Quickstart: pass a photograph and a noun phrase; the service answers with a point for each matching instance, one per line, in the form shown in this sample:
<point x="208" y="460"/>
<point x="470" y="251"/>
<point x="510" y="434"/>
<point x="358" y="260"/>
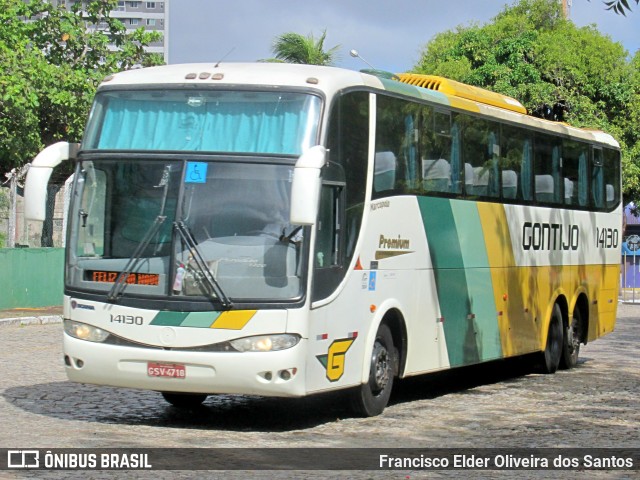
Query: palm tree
<point x="619" y="6"/>
<point x="294" y="48"/>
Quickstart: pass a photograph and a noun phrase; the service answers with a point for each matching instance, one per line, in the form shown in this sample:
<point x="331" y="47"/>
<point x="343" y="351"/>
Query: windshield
<point x="272" y="122"/>
<point x="175" y="228"/>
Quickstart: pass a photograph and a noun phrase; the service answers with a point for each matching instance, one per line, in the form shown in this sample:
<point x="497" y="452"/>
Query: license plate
<point x="169" y="370"/>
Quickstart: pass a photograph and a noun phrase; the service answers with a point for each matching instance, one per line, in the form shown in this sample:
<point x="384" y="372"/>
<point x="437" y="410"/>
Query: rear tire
<point x="571" y="341"/>
<point x="184" y="400"/>
<point x="553" y="351"/>
<point x="370" y="398"/>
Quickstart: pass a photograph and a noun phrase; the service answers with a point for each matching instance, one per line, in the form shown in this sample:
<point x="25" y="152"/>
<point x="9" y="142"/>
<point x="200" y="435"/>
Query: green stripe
<point x="200" y="319"/>
<point x="185" y="319"/>
<point x="479" y="280"/>
<point x="172" y="319"/>
<point x="463" y="279"/>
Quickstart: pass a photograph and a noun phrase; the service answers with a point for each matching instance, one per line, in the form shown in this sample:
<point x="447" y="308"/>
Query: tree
<point x="620" y="7"/>
<point x="294" y="48"/>
<point x="530" y="52"/>
<point x="50" y="65"/>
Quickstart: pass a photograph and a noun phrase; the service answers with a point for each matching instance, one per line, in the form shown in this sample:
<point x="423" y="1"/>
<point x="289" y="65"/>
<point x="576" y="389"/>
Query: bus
<point x="286" y="230"/>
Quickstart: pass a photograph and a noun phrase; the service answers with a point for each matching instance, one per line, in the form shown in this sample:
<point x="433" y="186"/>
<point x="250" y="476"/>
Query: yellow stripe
<point x="518" y="329"/>
<point x="524" y="296"/>
<point x="233" y="320"/>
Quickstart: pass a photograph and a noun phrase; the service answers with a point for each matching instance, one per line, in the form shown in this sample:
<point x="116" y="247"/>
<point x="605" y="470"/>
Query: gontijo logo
<point x="334" y="360"/>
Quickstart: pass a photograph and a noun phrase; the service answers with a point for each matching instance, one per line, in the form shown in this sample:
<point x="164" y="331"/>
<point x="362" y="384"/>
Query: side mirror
<point x="305" y="190"/>
<point x="35" y="186"/>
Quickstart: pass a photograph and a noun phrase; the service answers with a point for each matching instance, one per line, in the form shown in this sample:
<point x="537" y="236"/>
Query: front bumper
<point x="279" y="373"/>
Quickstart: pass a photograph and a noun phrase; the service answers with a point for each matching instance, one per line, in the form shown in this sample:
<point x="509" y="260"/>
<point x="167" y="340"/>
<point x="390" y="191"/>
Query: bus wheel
<point x="184" y="400"/>
<point x="571" y="342"/>
<point x="370" y="398"/>
<point x="553" y="351"/>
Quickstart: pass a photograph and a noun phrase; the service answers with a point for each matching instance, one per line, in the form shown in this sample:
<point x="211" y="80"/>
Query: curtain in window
<point x="557" y="176"/>
<point x="410" y="152"/>
<point x="493" y="189"/>
<point x="455" y="158"/>
<point x="260" y="127"/>
<point x="525" y="171"/>
<point x="597" y="186"/>
<point x="583" y="183"/>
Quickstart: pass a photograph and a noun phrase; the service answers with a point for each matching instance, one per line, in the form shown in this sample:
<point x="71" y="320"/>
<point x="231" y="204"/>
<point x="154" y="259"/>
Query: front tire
<point x="184" y="400"/>
<point x="553" y="351"/>
<point x="370" y="398"/>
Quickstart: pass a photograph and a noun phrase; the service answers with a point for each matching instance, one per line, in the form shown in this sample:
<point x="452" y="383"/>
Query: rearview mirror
<point x="305" y="189"/>
<point x="35" y="187"/>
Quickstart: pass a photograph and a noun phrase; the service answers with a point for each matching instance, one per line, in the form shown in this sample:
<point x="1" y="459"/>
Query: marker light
<point x="84" y="331"/>
<point x="265" y="343"/>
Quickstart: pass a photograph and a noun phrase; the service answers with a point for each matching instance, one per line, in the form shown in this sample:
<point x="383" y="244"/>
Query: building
<point x="150" y="15"/>
<point x="135" y="14"/>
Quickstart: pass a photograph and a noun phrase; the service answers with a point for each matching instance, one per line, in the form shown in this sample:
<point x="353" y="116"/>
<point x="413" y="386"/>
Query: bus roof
<point x="331" y="80"/>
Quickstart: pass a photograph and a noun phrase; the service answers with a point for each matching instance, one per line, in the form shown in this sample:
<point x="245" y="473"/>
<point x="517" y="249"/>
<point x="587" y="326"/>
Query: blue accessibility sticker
<point x="372" y="281"/>
<point x="196" y="172"/>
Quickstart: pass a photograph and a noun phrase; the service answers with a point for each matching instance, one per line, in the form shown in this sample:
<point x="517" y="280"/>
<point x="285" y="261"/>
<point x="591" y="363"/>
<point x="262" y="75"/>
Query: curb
<point x="22" y="321"/>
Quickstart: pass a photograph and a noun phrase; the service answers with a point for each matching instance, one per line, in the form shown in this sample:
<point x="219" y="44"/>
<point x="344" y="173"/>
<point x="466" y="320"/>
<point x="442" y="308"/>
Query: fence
<point x="49" y="233"/>
<point x="31" y="277"/>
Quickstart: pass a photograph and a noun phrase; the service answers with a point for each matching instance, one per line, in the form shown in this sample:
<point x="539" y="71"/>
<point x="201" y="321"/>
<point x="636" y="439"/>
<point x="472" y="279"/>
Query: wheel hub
<point x="381" y="369"/>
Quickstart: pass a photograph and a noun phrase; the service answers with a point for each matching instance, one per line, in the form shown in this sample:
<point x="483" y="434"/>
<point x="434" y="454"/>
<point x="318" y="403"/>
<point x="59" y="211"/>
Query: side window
<point x="597" y="179"/>
<point x="516" y="164"/>
<point x="440" y="165"/>
<point x="348" y="144"/>
<point x="395" y="162"/>
<point x="343" y="192"/>
<point x="329" y="236"/>
<point x="611" y="178"/>
<point x="574" y="172"/>
<point x="548" y="180"/>
<point x="481" y="151"/>
<point x="93" y="187"/>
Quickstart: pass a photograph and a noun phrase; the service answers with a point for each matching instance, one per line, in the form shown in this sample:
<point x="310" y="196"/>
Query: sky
<point x="388" y="34"/>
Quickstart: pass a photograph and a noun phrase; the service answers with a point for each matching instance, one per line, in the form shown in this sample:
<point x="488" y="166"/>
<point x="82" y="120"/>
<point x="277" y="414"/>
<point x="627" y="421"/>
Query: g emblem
<point x="334" y="360"/>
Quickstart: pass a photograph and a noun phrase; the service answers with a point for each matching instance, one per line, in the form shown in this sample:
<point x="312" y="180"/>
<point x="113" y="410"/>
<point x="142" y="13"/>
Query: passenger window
<point x="548" y="180"/>
<point x="515" y="164"/>
<point x="395" y="162"/>
<point x="574" y="172"/>
<point x="611" y="179"/>
<point x="440" y="153"/>
<point x="481" y="153"/>
<point x="597" y="179"/>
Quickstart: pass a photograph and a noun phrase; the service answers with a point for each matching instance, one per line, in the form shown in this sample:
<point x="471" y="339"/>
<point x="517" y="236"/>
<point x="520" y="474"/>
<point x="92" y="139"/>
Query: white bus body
<point x="425" y="229"/>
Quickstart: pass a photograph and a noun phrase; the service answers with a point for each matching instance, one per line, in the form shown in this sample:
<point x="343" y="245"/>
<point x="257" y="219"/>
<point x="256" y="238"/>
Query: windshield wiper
<point x="204" y="270"/>
<point x="120" y="284"/>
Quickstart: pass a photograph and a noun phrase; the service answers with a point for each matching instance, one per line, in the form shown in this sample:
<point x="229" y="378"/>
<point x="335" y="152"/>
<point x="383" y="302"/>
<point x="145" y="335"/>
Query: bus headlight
<point x="84" y="331"/>
<point x="265" y="343"/>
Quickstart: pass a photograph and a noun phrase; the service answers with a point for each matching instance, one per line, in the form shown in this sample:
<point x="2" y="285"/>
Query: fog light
<point x="285" y="375"/>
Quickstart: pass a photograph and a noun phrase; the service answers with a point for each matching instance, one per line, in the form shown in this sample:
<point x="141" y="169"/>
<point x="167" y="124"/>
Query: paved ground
<point x="29" y="316"/>
<point x="501" y="404"/>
